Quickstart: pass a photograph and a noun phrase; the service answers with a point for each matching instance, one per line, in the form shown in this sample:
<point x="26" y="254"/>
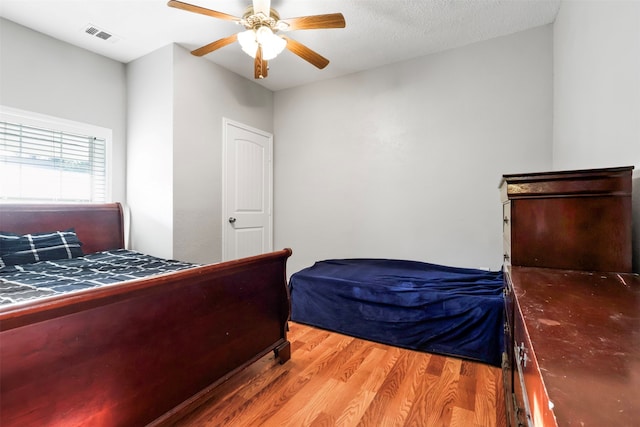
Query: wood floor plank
<point x="350" y="366"/>
<point x="336" y="380"/>
<point x="489" y="406"/>
<point x="355" y="393"/>
<point x="355" y="408"/>
<point x="378" y="376"/>
<point x="466" y="395"/>
<point x="399" y="409"/>
<point x="388" y="391"/>
<point x="314" y="399"/>
<point x="461" y="417"/>
<point x="434" y="403"/>
<point x="323" y="420"/>
<point x="326" y="358"/>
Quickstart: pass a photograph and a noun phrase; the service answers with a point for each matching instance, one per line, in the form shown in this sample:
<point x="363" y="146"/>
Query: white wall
<point x="597" y="90"/>
<point x="204" y="93"/>
<point x="404" y="161"/>
<point x="46" y="76"/>
<point x="176" y="106"/>
<point x="150" y="152"/>
<point x="597" y="84"/>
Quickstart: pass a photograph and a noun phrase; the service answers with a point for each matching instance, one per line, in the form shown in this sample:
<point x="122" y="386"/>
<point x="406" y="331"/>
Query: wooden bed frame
<point x="144" y="352"/>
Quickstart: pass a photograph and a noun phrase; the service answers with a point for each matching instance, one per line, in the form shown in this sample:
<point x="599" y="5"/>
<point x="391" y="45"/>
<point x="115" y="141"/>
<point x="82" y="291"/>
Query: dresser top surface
<point x="585" y="331"/>
<point x="572" y="183"/>
<point x="565" y="174"/>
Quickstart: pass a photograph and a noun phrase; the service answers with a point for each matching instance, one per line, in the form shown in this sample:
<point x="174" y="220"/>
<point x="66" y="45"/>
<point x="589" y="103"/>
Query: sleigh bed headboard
<point x="99" y="227"/>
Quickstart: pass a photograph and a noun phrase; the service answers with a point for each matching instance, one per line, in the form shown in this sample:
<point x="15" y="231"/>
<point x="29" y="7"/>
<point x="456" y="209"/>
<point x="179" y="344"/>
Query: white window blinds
<point x="39" y="164"/>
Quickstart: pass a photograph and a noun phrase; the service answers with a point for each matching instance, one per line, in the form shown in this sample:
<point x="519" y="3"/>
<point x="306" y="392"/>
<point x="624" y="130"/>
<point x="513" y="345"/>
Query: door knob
<point x="232" y="220"/>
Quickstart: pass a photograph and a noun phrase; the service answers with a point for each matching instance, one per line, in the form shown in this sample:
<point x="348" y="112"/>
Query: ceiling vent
<point x="94" y="31"/>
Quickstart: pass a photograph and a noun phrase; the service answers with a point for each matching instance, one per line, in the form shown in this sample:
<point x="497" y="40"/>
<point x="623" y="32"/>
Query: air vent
<point x="92" y="30"/>
<point x="103" y="35"/>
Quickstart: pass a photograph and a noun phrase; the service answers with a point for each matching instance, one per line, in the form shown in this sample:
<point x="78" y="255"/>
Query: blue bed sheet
<point x="416" y="305"/>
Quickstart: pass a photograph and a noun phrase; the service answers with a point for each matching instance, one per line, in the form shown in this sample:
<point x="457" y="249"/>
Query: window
<point x="45" y="159"/>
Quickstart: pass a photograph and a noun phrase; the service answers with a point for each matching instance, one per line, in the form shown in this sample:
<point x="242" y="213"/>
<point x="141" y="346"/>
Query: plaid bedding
<point x="17" y="249"/>
<point x="47" y="278"/>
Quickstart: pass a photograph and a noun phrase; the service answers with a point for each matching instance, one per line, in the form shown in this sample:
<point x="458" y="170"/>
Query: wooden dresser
<point x="575" y="220"/>
<point x="572" y="307"/>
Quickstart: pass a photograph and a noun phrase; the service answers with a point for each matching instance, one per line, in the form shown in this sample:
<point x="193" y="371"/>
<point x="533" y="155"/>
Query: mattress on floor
<point x="421" y="306"/>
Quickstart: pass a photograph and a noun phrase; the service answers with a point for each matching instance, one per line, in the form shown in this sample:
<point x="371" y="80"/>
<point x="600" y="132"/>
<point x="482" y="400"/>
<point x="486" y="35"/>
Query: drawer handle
<point x="523" y="357"/>
<point x="507" y="329"/>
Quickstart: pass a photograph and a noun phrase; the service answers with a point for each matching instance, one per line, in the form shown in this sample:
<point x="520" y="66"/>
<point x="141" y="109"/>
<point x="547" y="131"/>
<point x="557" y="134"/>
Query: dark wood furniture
<point x="575" y="220"/>
<point x="572" y="329"/>
<point x="139" y="353"/>
<point x="576" y="340"/>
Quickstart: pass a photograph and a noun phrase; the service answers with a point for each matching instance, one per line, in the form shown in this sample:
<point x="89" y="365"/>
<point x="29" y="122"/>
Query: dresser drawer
<point x="506" y="233"/>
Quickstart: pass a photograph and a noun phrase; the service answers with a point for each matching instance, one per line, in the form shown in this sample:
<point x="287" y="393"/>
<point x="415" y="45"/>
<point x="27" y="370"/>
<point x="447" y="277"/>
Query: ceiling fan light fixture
<point x="260" y="41"/>
<point x="248" y="43"/>
<point x="272" y="45"/>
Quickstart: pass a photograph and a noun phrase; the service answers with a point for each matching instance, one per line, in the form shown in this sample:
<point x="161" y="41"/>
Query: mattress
<point x="25" y="282"/>
<point x="410" y="304"/>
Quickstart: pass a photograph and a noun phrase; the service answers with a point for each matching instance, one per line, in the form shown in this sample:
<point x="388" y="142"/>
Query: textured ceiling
<point x="378" y="32"/>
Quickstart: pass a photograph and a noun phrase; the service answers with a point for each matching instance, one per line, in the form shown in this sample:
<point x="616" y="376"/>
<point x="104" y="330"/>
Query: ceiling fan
<point x="259" y="40"/>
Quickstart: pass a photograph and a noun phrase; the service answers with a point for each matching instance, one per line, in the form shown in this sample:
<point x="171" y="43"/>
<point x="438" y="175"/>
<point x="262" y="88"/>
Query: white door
<point x="247" y="181"/>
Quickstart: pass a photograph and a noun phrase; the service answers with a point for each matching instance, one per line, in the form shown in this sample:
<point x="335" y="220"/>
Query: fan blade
<point x="201" y="10"/>
<point x="263" y="6"/>
<point x="307" y="54"/>
<point x="332" y="20"/>
<point x="260" y="68"/>
<point x="215" y="45"/>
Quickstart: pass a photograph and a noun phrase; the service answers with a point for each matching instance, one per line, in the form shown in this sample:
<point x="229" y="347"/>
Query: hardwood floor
<point x="337" y="380"/>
